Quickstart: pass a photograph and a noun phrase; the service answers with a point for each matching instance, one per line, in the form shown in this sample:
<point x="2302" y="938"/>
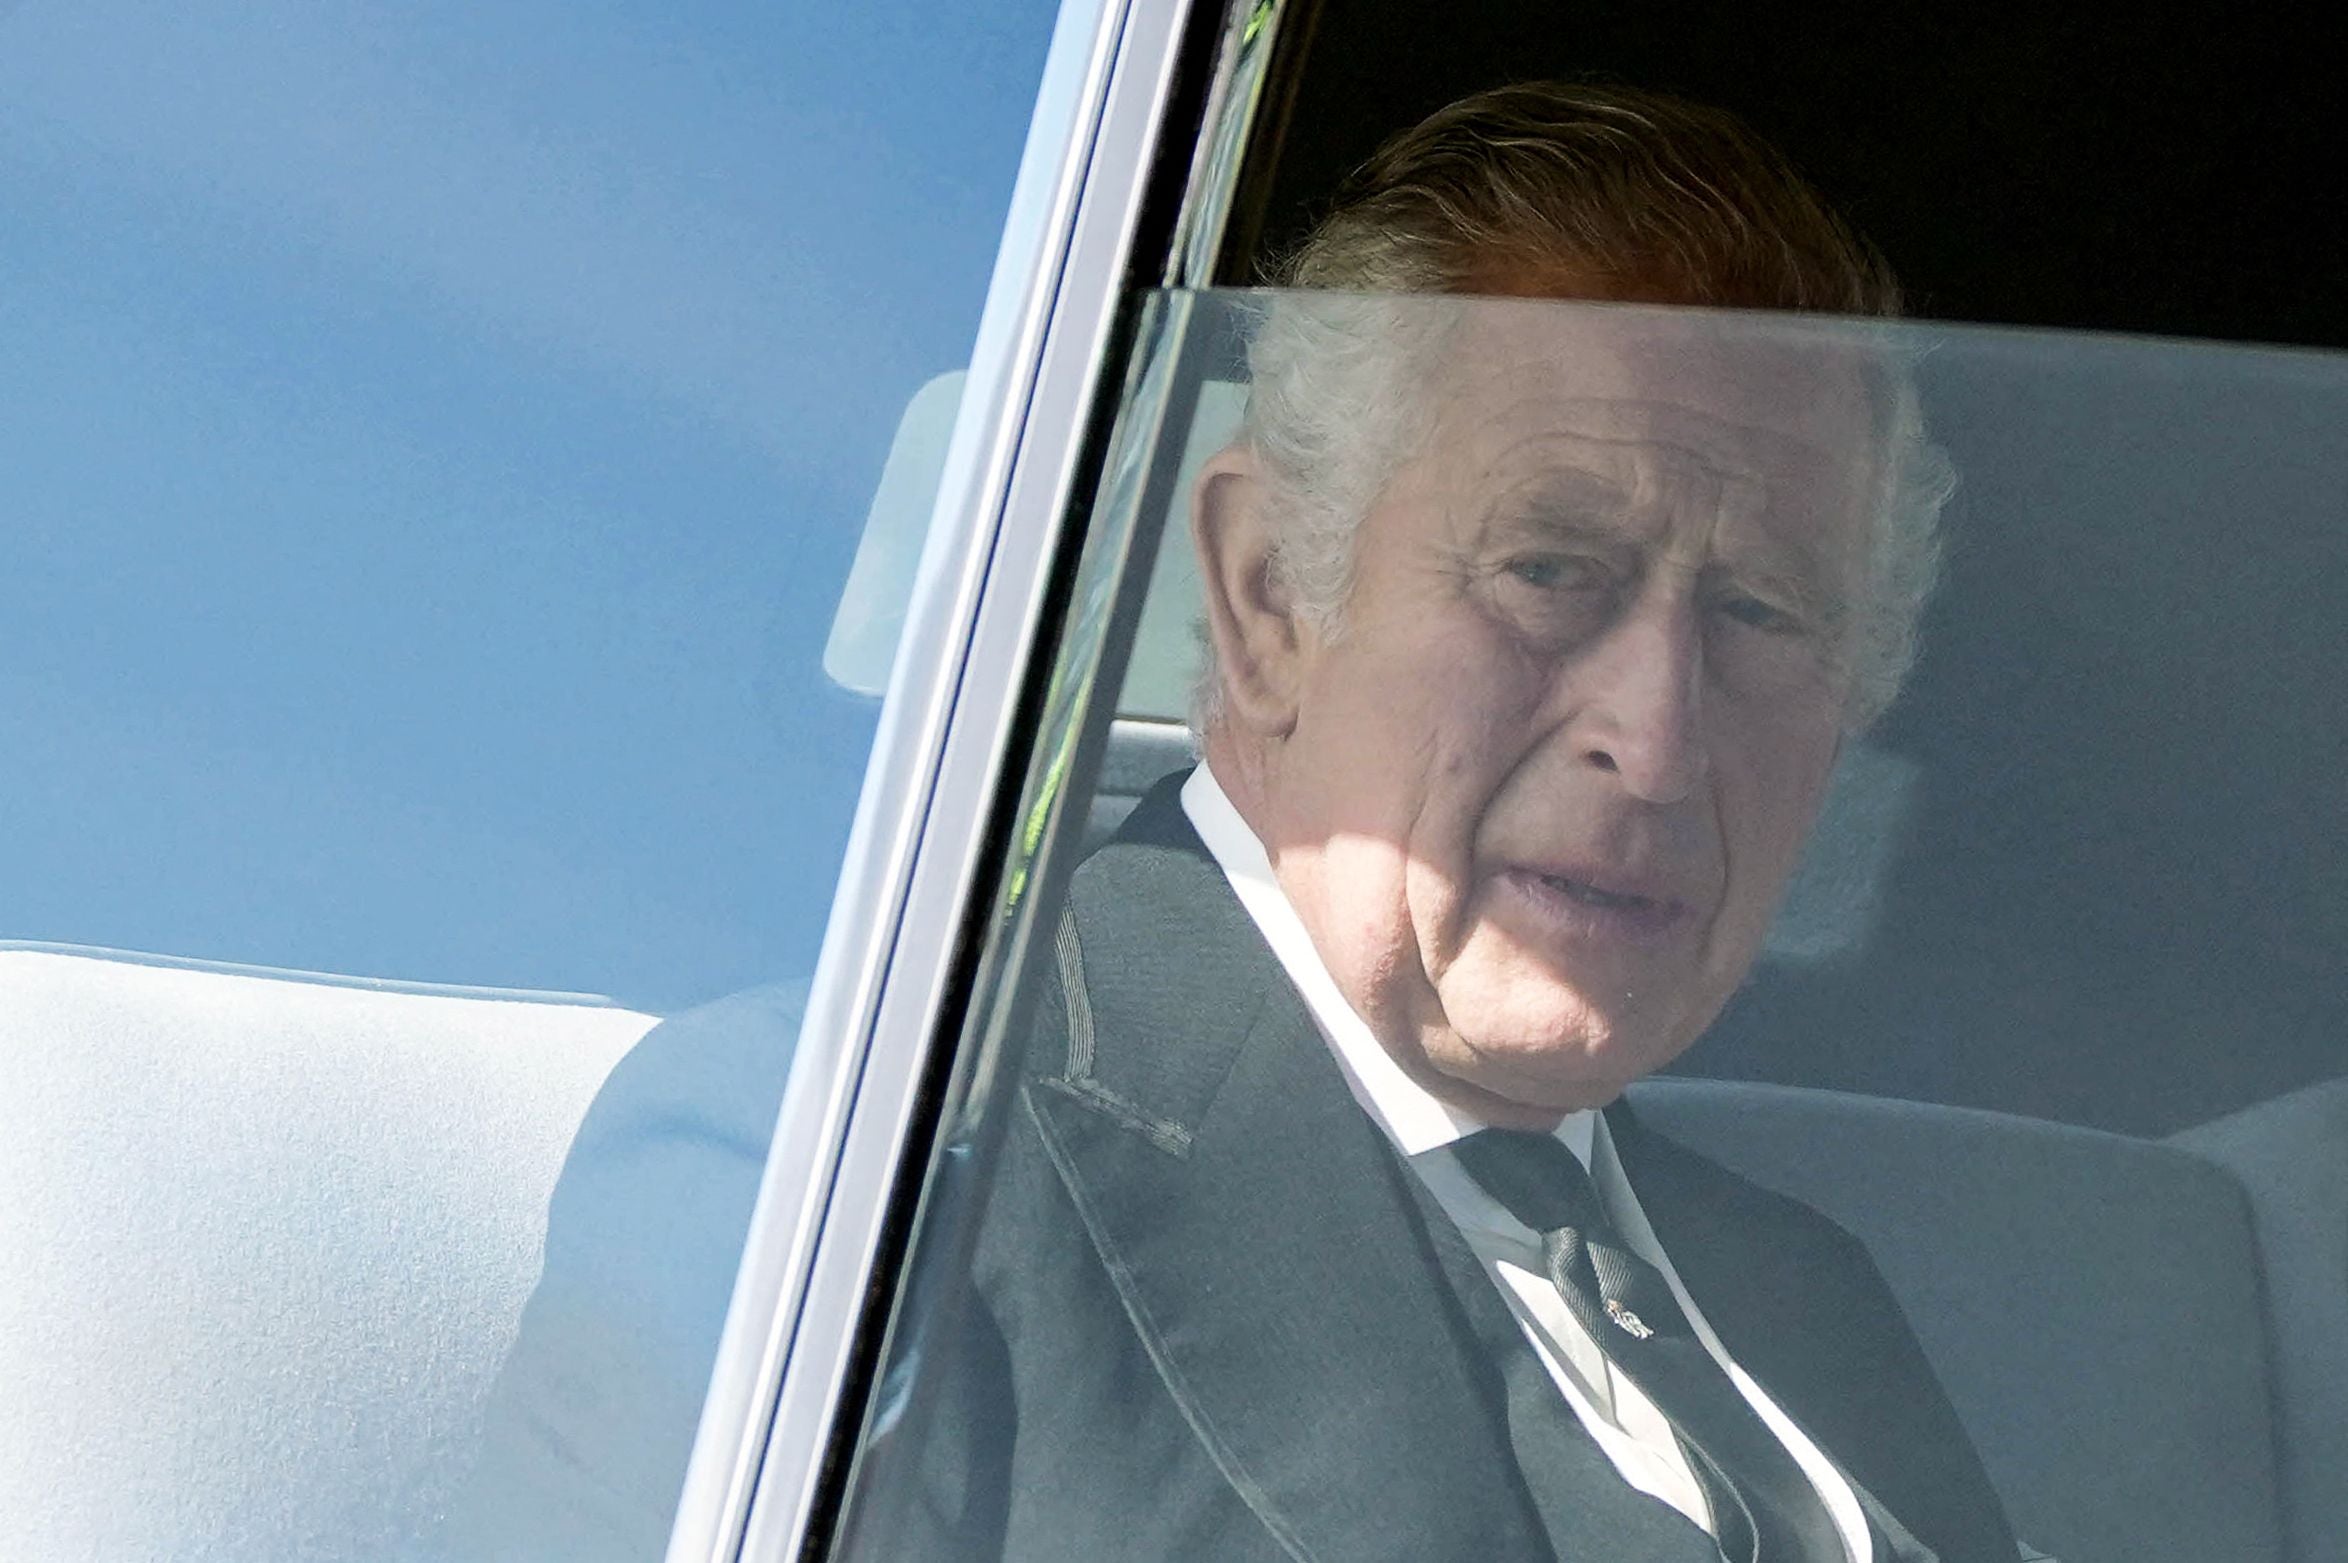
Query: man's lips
<point x="1586" y="904"/>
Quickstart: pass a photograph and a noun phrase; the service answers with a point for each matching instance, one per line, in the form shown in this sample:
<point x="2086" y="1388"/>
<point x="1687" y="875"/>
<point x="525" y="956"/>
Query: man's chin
<point x="1569" y="1058"/>
<point x="1501" y="1086"/>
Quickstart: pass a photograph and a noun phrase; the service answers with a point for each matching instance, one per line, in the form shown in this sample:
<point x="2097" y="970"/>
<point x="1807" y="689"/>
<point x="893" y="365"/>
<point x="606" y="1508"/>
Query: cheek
<point x="1485" y="738"/>
<point x="1417" y="726"/>
<point x="1414" y="728"/>
<point x="1369" y="929"/>
<point x="1767" y="817"/>
<point x="1400" y="882"/>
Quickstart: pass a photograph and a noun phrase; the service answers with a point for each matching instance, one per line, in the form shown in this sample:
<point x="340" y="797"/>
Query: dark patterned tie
<point x="1764" y="1508"/>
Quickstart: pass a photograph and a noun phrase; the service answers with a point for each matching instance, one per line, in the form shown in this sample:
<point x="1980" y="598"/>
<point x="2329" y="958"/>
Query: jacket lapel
<point x="1284" y="1290"/>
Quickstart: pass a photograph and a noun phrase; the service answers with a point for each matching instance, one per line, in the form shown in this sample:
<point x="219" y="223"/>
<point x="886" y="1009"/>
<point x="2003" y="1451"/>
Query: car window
<point x="1981" y="688"/>
<point x="436" y="448"/>
<point x="437" y="442"/>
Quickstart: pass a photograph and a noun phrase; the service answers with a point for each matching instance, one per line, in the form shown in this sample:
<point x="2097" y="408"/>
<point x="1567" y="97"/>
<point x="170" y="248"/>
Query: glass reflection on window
<point x="1739" y="755"/>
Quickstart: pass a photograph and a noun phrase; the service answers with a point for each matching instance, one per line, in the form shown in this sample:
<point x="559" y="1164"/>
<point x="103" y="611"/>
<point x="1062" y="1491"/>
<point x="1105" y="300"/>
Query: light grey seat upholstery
<point x="266" y="1240"/>
<point x="2092" y="1302"/>
<point x="2292" y="1154"/>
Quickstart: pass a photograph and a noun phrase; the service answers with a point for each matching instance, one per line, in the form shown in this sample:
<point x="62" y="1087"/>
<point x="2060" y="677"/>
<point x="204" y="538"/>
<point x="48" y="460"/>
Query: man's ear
<point x="1258" y="634"/>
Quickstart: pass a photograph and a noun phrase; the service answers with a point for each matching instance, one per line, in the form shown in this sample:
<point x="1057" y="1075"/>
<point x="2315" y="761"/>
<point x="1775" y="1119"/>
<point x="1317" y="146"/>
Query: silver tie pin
<point x="1632" y="1325"/>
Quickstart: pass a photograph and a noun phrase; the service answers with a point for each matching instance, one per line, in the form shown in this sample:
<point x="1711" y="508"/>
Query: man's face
<point x="1545" y="782"/>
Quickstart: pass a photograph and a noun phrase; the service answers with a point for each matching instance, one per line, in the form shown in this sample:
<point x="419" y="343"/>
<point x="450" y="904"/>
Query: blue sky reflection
<point x="434" y="443"/>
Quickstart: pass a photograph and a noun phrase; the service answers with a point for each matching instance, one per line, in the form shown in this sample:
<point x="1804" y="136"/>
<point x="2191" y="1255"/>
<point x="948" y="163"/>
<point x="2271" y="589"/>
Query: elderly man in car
<point x="1539" y="605"/>
<point x="1320" y="1230"/>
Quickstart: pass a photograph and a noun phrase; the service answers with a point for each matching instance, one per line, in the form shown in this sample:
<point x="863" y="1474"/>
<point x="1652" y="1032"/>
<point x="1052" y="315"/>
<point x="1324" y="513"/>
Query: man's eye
<point x="1554" y="572"/>
<point x="1754" y="613"/>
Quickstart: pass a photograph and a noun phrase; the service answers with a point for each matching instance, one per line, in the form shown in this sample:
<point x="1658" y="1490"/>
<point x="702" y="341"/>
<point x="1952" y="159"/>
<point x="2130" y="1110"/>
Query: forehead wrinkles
<point x="1642" y="481"/>
<point x="1692" y="500"/>
<point x="1784" y="398"/>
<point x="1733" y="446"/>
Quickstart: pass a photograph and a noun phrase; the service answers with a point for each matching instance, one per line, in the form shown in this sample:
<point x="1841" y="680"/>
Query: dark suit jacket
<point x="1215" y="1316"/>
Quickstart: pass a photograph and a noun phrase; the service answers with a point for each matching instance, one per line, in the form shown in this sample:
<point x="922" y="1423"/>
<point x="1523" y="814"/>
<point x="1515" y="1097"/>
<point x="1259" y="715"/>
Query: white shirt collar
<point x="1413" y="1118"/>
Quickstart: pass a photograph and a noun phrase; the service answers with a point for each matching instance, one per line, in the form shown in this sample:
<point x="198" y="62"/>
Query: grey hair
<point x="1593" y="192"/>
<point x="1903" y="555"/>
<point x="1332" y="412"/>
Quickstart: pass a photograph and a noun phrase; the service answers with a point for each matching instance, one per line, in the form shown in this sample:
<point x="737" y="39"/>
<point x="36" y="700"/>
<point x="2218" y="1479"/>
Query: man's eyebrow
<point x="1764" y="552"/>
<point x="1570" y="506"/>
<point x="1790" y="573"/>
<point x="1610" y="529"/>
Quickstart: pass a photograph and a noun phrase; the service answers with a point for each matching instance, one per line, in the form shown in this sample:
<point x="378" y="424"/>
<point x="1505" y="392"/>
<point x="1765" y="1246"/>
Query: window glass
<point x="437" y="439"/>
<point x="437" y="443"/>
<point x="1937" y="714"/>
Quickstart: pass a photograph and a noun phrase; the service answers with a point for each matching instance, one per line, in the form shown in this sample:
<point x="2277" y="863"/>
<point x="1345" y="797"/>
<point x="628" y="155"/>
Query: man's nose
<point x="1636" y="701"/>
